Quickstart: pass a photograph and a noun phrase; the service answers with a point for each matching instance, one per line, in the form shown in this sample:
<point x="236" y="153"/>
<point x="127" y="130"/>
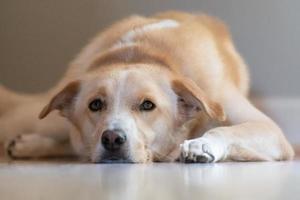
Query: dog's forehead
<point x="126" y="82"/>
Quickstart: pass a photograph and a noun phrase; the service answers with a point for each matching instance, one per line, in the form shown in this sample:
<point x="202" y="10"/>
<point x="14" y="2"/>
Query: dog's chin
<point x="115" y="160"/>
<point x="121" y="157"/>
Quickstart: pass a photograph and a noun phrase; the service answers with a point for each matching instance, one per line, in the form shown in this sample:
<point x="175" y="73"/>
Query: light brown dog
<point x="148" y="89"/>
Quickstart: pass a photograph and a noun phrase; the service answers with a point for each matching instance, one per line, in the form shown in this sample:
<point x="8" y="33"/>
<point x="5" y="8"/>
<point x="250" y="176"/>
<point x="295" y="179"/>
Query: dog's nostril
<point x="120" y="140"/>
<point x="113" y="139"/>
<point x="105" y="140"/>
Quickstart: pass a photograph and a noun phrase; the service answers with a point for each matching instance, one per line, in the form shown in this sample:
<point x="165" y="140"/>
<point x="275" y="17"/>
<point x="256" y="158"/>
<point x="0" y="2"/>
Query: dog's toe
<point x="9" y="148"/>
<point x="204" y="158"/>
<point x="15" y="147"/>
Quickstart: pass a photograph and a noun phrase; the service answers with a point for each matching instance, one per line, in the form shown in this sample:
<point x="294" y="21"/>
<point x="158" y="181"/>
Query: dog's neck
<point x="132" y="54"/>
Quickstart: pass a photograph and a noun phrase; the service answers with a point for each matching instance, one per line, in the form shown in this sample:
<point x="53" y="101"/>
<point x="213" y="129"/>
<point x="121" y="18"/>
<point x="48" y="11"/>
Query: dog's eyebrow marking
<point x="100" y="92"/>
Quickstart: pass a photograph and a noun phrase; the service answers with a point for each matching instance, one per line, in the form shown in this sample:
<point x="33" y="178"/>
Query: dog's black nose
<point x="113" y="140"/>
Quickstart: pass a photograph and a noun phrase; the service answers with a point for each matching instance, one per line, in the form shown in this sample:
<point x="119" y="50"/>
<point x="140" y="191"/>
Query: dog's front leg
<point x="251" y="137"/>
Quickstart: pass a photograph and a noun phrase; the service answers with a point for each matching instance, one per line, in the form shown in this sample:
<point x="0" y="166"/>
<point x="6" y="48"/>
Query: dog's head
<point x="131" y="113"/>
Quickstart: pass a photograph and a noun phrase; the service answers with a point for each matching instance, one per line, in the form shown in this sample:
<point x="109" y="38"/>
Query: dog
<point x="147" y="89"/>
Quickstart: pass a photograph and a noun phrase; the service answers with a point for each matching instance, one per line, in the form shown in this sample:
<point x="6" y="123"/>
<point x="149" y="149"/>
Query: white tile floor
<point x="31" y="181"/>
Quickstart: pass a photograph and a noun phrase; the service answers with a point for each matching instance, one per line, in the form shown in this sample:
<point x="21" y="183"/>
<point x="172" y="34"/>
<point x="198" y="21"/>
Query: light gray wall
<point x="38" y="38"/>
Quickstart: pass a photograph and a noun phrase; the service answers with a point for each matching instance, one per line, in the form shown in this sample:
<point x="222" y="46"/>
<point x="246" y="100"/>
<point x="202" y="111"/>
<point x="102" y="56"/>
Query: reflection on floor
<point x="60" y="180"/>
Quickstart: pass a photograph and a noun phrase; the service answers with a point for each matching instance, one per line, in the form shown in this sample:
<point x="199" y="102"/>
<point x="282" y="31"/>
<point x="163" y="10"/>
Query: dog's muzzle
<point x="116" y="145"/>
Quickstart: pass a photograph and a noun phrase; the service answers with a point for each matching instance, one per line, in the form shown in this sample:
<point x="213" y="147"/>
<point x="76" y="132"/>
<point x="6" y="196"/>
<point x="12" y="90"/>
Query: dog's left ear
<point x="192" y="99"/>
<point x="62" y="101"/>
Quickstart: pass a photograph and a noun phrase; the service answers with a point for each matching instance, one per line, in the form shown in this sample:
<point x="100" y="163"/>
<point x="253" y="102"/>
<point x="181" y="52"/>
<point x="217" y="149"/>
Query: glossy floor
<point x="38" y="180"/>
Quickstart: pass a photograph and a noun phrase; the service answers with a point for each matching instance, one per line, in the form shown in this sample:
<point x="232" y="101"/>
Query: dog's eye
<point x="147" y="106"/>
<point x="96" y="105"/>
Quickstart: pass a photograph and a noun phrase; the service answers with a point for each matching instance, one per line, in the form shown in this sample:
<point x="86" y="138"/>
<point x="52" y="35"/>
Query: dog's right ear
<point x="193" y="99"/>
<point x="62" y="101"/>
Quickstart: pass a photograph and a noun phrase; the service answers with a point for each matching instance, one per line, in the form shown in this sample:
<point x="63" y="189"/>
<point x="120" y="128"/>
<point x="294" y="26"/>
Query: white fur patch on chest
<point x="128" y="38"/>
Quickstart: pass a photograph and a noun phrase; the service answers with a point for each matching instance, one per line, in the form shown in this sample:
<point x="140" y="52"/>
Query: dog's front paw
<point x="11" y="145"/>
<point x="17" y="147"/>
<point x="197" y="150"/>
<point x="26" y="146"/>
<point x="205" y="149"/>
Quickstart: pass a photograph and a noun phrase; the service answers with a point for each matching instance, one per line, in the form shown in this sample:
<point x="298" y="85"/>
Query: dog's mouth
<point x="114" y="158"/>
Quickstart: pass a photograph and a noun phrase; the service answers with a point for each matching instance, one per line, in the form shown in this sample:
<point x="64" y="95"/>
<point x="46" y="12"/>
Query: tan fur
<point x="185" y="64"/>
